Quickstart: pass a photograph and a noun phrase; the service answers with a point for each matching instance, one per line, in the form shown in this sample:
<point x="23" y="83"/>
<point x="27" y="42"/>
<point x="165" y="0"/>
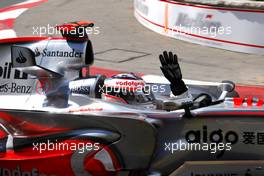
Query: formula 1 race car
<point x="56" y="121"/>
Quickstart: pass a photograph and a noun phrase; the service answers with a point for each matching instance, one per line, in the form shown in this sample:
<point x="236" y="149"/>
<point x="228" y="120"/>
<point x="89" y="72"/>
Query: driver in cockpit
<point x="129" y="88"/>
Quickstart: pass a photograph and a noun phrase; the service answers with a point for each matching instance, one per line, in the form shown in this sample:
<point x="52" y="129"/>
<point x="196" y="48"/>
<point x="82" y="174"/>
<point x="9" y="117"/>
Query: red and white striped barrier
<point x="226" y="28"/>
<point x="9" y="14"/>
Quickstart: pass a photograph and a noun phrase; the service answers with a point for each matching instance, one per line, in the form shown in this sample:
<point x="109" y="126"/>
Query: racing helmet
<point x="127" y="88"/>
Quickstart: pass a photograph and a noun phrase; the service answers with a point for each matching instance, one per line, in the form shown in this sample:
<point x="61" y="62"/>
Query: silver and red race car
<point x="54" y="120"/>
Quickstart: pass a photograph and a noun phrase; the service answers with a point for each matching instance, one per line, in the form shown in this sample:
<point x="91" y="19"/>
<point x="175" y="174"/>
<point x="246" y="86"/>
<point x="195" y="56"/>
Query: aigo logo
<point x="247" y="102"/>
<point x="208" y="136"/>
<point x="215" y="136"/>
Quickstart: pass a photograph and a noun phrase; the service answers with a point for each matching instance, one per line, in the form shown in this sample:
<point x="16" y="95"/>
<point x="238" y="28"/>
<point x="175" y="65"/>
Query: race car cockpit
<point x="128" y="88"/>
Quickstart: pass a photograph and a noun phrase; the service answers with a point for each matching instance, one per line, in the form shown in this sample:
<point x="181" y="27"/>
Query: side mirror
<point x="228" y="86"/>
<point x="89" y="57"/>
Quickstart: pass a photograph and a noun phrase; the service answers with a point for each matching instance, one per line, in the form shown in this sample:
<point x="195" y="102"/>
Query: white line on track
<point x="8" y="33"/>
<point x="11" y="14"/>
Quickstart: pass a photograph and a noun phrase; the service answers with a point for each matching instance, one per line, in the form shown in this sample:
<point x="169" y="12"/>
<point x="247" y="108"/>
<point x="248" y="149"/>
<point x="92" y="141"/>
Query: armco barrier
<point x="221" y="27"/>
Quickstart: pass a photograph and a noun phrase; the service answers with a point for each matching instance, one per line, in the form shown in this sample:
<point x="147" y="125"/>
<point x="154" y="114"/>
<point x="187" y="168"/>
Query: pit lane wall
<point x="232" y="29"/>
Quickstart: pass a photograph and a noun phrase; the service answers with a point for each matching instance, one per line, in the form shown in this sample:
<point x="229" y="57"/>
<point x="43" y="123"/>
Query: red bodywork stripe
<point x="28" y="39"/>
<point x="35" y="39"/>
<point x="28" y="128"/>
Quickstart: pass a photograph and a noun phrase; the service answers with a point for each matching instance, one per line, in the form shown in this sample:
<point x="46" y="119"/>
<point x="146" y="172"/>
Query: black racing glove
<point x="172" y="71"/>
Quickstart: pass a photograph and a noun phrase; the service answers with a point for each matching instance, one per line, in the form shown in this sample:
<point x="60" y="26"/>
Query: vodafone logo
<point x="130" y="83"/>
<point x="247" y="102"/>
